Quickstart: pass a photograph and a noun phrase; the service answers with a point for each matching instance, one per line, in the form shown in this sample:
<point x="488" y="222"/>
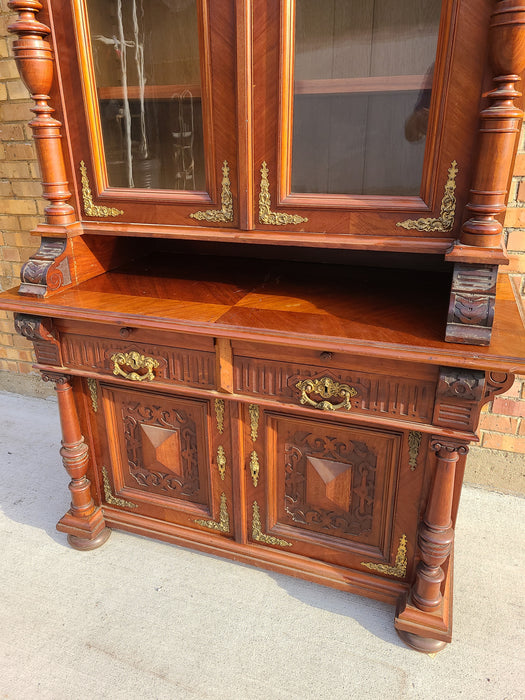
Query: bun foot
<point x="84" y="544"/>
<point x="426" y="645"/>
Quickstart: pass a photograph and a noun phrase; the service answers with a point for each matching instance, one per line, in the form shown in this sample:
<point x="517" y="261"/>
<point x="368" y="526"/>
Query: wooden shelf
<point x="333" y="86"/>
<point x="151" y="92"/>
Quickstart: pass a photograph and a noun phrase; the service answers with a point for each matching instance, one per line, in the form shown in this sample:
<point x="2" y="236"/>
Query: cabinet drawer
<point x="143" y="357"/>
<point x="340" y="383"/>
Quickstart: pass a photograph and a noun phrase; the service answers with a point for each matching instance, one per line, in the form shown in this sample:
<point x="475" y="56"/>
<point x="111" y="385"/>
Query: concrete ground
<point x="140" y="619"/>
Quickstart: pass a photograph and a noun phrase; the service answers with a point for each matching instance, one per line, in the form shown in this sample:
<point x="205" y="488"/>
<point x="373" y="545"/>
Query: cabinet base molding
<point x="349" y="580"/>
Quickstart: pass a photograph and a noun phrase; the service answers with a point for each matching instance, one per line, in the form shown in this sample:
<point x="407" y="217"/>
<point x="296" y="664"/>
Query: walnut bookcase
<point x="267" y="290"/>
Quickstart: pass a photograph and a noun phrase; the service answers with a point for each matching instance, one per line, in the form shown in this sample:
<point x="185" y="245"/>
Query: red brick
<point x="504" y="442"/>
<point x="498" y="424"/>
<point x="521" y="191"/>
<point x="521" y="429"/>
<point x="516" y="240"/>
<point x="517" y="263"/>
<point x="508" y="407"/>
<point x="519" y="165"/>
<point x="515" y="217"/>
<point x="514" y="392"/>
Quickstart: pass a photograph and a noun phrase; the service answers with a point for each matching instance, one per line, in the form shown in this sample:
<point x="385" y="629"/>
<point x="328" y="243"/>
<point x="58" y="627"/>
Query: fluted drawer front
<point x="329" y="389"/>
<point x="140" y="362"/>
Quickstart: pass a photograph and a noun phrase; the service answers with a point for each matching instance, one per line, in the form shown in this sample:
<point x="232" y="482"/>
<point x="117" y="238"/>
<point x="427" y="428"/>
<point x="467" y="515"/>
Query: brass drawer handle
<point x="134" y="361"/>
<point x="326" y="388"/>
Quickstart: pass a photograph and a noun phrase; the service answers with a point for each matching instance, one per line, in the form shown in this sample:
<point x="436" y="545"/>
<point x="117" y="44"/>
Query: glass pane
<point x="146" y="59"/>
<point x="363" y="80"/>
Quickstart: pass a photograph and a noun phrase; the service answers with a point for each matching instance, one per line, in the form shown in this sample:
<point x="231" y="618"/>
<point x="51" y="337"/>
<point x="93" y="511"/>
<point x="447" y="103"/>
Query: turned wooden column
<point x="436" y="534"/>
<point x="34" y="59"/>
<point x="499" y="129"/>
<point x="84" y="522"/>
<point x="480" y="249"/>
<point x="423" y="617"/>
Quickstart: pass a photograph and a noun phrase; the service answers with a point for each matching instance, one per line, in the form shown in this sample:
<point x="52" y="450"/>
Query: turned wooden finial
<point x="34" y="59"/>
<point x="500" y="127"/>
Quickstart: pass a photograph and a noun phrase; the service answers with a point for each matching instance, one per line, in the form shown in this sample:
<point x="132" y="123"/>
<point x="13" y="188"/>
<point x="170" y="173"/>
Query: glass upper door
<point x="149" y="91"/>
<point x="363" y="73"/>
<point x="153" y="109"/>
<point x="373" y="121"/>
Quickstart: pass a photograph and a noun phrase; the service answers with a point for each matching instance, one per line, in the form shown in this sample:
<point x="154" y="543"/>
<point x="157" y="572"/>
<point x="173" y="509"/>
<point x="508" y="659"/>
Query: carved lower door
<point x="166" y="456"/>
<point x="330" y="490"/>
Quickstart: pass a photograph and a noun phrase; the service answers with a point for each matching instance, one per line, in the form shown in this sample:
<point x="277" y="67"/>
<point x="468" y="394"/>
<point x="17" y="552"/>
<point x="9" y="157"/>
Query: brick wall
<point x="502" y="423"/>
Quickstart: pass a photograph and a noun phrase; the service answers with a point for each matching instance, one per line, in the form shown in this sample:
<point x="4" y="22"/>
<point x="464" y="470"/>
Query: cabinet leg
<point x="84" y="522"/>
<point x="424" y="616"/>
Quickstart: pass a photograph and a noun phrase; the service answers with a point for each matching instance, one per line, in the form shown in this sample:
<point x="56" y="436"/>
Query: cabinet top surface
<point x="384" y="313"/>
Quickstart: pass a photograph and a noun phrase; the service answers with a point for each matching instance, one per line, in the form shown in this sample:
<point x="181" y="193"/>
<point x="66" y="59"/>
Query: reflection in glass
<point x="362" y="86"/>
<point x="147" y="73"/>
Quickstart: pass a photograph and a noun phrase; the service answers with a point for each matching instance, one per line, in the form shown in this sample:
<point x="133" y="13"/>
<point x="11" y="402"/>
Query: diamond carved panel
<point x="329" y="484"/>
<point x="161" y="449"/>
<point x="162" y="443"/>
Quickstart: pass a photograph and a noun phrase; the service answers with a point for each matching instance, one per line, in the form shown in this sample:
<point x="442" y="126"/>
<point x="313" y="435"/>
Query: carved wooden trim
<point x="499" y="128"/>
<point x="459" y="398"/>
<point x="472" y="302"/>
<point x="46" y="270"/>
<point x="34" y="59"/>
<point x="40" y="332"/>
<point x="497" y="383"/>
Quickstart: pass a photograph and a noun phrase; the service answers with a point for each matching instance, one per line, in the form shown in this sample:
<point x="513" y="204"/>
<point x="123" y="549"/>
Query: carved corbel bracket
<point x="47" y="270"/>
<point x="461" y="394"/>
<point x="40" y="332"/>
<point x="34" y="59"/>
<point x="472" y="302"/>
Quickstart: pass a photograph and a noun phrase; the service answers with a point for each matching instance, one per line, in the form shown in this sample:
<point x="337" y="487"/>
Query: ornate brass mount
<point x="225" y="213"/>
<point x="400" y="566"/>
<point x="91" y="209"/>
<point x="219" y="414"/>
<point x="445" y="221"/>
<point x="266" y="215"/>
<point x="414" y="443"/>
<point x="135" y="361"/>
<point x="93" y="391"/>
<point x="224" y="519"/>
<point x="255" y="467"/>
<point x="110" y="498"/>
<point x="221" y="461"/>
<point x="327" y="388"/>
<point x="259" y="535"/>
<point x="254" y="421"/>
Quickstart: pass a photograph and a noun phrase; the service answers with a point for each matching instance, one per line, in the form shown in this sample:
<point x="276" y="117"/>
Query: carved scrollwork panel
<point x="329" y="483"/>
